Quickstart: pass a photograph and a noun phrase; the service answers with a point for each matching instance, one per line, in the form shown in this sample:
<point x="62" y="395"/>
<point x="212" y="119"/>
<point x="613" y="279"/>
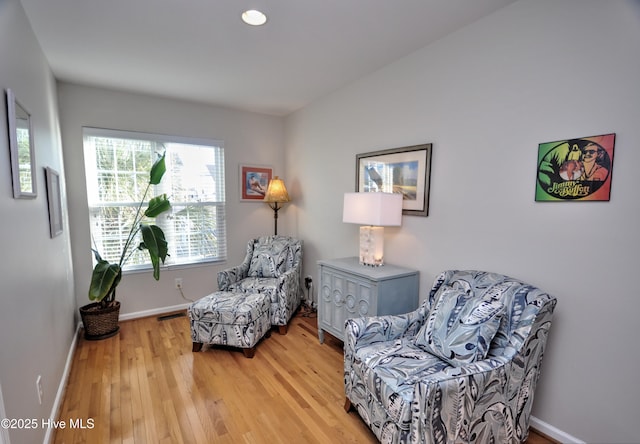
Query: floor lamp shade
<point x="374" y="211"/>
<point x="276" y="191"/>
<point x="275" y="197"/>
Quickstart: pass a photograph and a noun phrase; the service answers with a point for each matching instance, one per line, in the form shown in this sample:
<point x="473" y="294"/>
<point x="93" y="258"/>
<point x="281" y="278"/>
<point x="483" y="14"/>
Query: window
<point x="117" y="165"/>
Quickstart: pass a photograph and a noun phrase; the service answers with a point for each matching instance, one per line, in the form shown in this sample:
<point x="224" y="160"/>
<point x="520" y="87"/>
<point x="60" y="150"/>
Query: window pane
<point x="197" y="233"/>
<point x="117" y="165"/>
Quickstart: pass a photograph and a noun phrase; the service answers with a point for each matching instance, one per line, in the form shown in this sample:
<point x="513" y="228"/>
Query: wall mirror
<point x="23" y="161"/>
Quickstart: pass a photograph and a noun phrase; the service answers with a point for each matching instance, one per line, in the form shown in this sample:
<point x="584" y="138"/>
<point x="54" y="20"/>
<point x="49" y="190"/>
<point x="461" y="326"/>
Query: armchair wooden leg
<point x="282" y="329"/>
<point x="347" y="405"/>
<point x="249" y="352"/>
<point x="197" y="346"/>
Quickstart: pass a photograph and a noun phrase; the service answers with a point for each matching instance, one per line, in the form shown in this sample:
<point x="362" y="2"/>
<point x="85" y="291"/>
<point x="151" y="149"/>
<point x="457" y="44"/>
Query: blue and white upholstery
<point x="272" y="266"/>
<point x="236" y="320"/>
<point x="461" y="368"/>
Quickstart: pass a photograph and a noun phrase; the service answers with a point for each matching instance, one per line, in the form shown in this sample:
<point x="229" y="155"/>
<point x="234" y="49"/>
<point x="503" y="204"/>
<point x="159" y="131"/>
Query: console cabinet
<point x="348" y="290"/>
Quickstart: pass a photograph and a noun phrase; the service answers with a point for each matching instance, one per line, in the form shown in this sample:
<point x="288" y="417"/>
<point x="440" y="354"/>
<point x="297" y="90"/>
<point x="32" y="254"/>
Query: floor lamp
<point x="276" y="194"/>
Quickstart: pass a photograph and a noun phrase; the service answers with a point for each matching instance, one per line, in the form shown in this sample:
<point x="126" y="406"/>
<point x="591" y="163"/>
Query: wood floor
<point x="145" y="385"/>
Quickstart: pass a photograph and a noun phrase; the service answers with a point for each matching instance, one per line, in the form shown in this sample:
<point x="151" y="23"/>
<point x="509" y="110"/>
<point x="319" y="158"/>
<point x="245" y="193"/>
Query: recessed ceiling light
<point x="254" y="17"/>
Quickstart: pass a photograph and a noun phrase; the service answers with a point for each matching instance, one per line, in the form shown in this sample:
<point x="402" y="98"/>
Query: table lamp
<point x="373" y="211"/>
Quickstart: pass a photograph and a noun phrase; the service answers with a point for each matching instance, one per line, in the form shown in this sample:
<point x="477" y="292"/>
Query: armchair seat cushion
<point x="390" y="370"/>
<point x="266" y="286"/>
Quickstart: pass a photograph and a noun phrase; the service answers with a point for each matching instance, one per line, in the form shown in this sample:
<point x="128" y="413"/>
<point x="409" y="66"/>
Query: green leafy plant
<point x="106" y="276"/>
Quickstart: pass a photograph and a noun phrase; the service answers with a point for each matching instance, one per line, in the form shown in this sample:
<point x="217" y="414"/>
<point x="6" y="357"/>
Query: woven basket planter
<point x="100" y="322"/>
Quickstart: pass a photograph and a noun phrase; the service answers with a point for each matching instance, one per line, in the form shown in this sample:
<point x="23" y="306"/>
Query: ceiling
<point x="200" y="50"/>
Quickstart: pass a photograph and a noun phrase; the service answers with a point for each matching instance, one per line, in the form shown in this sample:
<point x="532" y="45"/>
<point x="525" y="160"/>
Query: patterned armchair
<point x="272" y="266"/>
<point x="461" y="368"/>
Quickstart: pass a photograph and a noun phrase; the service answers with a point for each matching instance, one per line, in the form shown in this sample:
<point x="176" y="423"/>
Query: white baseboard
<point x="147" y="313"/>
<point x="153" y="312"/>
<point x="553" y="432"/>
<point x="57" y="402"/>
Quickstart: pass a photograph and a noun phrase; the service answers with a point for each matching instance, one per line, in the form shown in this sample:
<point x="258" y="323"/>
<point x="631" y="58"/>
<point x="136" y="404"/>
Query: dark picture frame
<point x="405" y="170"/>
<point x="21" y="146"/>
<point x="254" y="181"/>
<point x="54" y="201"/>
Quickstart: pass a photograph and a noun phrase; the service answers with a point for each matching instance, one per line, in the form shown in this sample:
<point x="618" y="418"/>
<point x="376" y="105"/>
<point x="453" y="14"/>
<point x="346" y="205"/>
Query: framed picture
<point x="54" y="201"/>
<point x="400" y="170"/>
<point x="23" y="157"/>
<point x="575" y="169"/>
<point x="254" y="181"/>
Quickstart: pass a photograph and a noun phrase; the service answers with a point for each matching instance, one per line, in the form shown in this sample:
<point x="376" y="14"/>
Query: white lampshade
<point x="376" y="209"/>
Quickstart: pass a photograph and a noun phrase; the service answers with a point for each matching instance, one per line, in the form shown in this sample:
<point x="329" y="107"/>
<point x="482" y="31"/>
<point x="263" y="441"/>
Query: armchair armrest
<point x="232" y="275"/>
<point x="291" y="278"/>
<point x="289" y="282"/>
<point x="368" y="330"/>
<point x="363" y="331"/>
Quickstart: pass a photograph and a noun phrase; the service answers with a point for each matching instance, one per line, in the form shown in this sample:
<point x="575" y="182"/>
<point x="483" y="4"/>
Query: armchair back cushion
<point x="271" y="257"/>
<point x="461" y="325"/>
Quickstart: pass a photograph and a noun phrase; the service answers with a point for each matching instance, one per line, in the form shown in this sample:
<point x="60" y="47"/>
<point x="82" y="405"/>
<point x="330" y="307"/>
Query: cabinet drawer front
<point x="352" y="296"/>
<point x="358" y="298"/>
<point x="348" y="290"/>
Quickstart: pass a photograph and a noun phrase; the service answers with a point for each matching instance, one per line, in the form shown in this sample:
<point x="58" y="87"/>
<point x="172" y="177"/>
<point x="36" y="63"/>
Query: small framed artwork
<point x="575" y="169"/>
<point x="254" y="181"/>
<point x="54" y="200"/>
<point x="405" y="170"/>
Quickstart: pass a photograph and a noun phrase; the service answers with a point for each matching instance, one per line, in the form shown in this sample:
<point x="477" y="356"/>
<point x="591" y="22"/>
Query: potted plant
<point x="100" y="317"/>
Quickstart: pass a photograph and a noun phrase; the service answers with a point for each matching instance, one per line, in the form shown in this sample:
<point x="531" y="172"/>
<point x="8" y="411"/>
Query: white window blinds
<point x="117" y="165"/>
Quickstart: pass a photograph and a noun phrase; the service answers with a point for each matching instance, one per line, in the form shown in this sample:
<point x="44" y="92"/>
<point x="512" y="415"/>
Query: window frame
<point x="159" y="189"/>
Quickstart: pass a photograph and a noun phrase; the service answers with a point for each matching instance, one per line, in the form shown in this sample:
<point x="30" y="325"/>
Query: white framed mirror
<point x="23" y="160"/>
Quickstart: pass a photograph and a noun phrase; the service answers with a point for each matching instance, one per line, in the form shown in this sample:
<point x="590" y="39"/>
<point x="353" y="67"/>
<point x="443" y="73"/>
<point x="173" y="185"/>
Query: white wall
<point x="36" y="300"/>
<point x="249" y="138"/>
<point x="486" y="96"/>
<point x="533" y="72"/>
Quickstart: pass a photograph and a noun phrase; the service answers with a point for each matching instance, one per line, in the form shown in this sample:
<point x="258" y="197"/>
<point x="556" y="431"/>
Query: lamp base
<point x="371" y="246"/>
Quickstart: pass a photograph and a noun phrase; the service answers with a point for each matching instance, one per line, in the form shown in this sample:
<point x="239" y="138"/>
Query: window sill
<point x="174" y="267"/>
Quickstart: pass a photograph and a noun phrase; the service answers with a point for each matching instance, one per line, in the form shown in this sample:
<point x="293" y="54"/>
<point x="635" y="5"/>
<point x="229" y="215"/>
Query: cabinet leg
<point x="321" y="336"/>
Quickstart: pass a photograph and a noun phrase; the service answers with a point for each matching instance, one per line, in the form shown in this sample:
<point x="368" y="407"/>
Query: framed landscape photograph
<point x="254" y="181"/>
<point x="403" y="170"/>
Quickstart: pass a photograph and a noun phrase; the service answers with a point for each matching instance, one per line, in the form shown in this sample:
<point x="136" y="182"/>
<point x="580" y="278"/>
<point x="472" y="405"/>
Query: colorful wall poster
<point x="575" y="169"/>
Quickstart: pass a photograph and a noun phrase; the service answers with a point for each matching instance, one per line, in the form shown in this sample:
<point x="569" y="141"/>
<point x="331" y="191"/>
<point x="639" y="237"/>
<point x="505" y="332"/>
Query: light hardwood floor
<point x="146" y="386"/>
